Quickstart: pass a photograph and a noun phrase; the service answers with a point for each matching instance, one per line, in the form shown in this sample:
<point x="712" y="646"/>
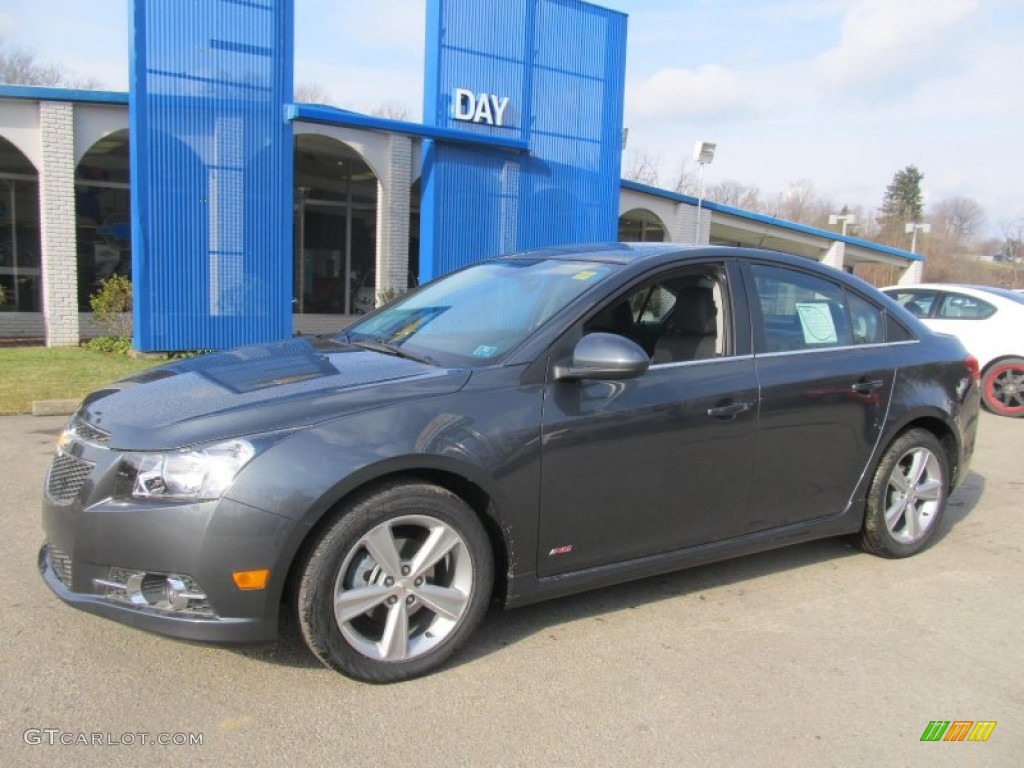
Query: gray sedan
<point x="525" y="428"/>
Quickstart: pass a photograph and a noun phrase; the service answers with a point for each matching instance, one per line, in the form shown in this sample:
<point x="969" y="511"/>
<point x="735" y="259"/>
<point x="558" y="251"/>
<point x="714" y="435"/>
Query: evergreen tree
<point x="902" y="202"/>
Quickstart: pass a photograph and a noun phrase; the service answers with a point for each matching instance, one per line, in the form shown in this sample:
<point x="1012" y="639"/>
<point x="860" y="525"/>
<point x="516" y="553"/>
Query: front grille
<point x="88" y="432"/>
<point x="61" y="565"/>
<point x="66" y="477"/>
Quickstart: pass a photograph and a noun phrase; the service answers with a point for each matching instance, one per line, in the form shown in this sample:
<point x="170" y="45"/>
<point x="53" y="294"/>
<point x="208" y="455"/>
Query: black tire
<point x="1002" y="387"/>
<point x="907" y="496"/>
<point x="439" y="599"/>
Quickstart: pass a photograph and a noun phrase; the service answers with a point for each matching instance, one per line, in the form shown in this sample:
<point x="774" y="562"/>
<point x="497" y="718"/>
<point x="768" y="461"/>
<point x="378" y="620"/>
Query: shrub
<point x="112" y="307"/>
<point x="118" y="345"/>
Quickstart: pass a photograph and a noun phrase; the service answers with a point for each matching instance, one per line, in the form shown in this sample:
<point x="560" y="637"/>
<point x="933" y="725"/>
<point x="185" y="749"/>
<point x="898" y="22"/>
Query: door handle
<point x="867" y="387"/>
<point x="729" y="411"/>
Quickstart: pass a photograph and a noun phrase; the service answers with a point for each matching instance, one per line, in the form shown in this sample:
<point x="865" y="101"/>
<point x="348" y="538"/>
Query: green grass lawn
<point x="38" y="373"/>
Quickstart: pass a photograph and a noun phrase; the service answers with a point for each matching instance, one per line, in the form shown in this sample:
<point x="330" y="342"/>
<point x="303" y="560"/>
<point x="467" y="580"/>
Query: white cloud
<point x="8" y="25"/>
<point x="893" y="44"/>
<point x="708" y="90"/>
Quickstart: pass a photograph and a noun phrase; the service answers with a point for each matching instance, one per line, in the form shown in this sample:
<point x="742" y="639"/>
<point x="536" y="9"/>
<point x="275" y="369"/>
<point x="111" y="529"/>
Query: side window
<point x="866" y="321"/>
<point x="918" y="303"/>
<point x="799" y="311"/>
<point x="677" y="317"/>
<point x="959" y="307"/>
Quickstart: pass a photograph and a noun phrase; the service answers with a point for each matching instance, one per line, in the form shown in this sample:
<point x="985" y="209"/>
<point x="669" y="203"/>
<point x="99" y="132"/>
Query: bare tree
<point x="1013" y="250"/>
<point x="312" y="93"/>
<point x="959" y="218"/>
<point x="640" y="167"/>
<point x="688" y="180"/>
<point x="392" y="110"/>
<point x="21" y="66"/>
<point x="736" y="194"/>
<point x="800" y="202"/>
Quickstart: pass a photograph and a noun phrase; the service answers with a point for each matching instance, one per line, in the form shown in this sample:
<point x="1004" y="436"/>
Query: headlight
<point x="203" y="473"/>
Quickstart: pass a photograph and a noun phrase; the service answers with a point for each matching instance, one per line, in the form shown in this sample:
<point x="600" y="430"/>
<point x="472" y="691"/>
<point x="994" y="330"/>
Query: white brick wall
<point x="912" y="274"/>
<point x="57" y="223"/>
<point x="836" y="255"/>
<point x="393" y="217"/>
<point x="684" y="225"/>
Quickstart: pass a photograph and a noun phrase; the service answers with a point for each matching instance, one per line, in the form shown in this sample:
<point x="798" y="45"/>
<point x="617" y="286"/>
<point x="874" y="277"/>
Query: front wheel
<point x="1002" y="387"/>
<point x="907" y="496"/>
<point x="396" y="583"/>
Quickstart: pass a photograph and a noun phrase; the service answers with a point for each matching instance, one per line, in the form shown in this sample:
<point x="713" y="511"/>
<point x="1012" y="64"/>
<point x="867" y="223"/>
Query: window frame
<point x="760" y="326"/>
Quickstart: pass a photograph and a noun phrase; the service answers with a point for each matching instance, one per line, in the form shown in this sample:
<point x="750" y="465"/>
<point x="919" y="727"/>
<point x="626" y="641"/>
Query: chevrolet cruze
<point x="527" y="427"/>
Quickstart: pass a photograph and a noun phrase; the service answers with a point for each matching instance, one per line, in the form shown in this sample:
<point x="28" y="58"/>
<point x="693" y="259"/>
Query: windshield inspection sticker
<point x="816" y="320"/>
<point x="584" y="275"/>
<point x="485" y="351"/>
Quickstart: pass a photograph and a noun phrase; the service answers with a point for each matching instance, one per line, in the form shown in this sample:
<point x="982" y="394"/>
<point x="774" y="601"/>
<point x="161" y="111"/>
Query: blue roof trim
<point x="42" y="93"/>
<point x="771" y="220"/>
<point x="334" y="116"/>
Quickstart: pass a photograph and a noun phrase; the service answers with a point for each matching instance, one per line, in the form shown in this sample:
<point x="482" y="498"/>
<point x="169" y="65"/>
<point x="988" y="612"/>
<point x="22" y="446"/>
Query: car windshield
<point x="477" y="315"/>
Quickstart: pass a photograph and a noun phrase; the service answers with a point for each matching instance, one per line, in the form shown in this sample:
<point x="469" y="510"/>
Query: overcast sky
<point x="842" y="93"/>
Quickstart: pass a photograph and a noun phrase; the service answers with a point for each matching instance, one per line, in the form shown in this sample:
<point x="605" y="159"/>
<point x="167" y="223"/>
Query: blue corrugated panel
<point x="211" y="165"/>
<point x="561" y="63"/>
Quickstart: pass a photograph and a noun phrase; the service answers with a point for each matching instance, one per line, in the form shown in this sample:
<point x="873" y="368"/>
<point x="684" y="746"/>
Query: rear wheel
<point x="907" y="496"/>
<point x="1002" y="387"/>
<point x="396" y="584"/>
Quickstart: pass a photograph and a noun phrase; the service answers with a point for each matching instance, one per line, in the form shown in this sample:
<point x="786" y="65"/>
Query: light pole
<point x="912" y="229"/>
<point x="703" y="153"/>
<point x="845" y="218"/>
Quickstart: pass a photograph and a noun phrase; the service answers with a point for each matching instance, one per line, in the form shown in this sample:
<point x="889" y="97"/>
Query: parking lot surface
<point x="812" y="655"/>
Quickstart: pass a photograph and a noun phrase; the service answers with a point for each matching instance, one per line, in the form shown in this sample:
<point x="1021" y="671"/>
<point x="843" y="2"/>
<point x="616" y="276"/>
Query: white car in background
<point x="990" y="324"/>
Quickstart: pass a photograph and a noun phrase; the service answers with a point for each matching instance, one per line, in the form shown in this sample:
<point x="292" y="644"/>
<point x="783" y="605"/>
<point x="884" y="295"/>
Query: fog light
<point x="164" y="592"/>
<point x="176" y="593"/>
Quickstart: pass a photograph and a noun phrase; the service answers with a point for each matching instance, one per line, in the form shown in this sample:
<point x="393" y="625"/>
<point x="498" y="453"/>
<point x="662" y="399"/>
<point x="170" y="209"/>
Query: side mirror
<point x="604" y="356"/>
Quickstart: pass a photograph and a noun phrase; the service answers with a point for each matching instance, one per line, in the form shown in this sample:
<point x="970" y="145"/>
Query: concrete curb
<point x="53" y="407"/>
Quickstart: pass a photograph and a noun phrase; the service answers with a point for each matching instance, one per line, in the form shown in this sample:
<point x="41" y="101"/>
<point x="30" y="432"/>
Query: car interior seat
<point x="690" y="332"/>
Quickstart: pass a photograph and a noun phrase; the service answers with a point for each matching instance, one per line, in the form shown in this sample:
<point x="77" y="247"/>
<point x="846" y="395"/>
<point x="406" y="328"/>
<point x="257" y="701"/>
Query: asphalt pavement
<point x="814" y="655"/>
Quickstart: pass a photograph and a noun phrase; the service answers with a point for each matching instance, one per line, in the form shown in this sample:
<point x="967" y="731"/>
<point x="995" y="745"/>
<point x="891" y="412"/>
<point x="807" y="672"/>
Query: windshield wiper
<point x="391" y="349"/>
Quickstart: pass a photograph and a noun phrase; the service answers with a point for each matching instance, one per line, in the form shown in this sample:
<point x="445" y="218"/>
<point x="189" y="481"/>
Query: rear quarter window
<point x="958" y="306"/>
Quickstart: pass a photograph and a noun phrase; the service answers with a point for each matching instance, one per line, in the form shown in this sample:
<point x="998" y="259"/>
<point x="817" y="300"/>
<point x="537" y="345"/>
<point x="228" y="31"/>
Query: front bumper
<point x="216" y="629"/>
<point x="115" y="558"/>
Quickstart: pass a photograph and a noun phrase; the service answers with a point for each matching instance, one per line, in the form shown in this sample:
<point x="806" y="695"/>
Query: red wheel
<point x="1002" y="387"/>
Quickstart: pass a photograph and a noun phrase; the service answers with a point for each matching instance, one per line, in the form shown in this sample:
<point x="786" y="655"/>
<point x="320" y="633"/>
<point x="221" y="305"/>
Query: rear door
<point x="826" y="377"/>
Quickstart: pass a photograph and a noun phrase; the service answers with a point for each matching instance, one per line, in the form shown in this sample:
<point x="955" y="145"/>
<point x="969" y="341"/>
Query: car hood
<point x="257" y="389"/>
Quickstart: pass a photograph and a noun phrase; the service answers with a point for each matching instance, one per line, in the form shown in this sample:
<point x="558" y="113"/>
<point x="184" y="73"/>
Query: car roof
<point x="654" y="253"/>
<point x="612" y="253"/>
<point x="983" y="290"/>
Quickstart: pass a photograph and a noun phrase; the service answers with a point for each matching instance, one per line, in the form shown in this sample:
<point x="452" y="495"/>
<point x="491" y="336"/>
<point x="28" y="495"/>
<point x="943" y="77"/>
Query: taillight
<point x="973" y="368"/>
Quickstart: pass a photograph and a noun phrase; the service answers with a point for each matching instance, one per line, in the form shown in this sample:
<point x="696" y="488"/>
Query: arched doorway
<point x="103" y="214"/>
<point x="335" y="228"/>
<point x="641" y="226"/>
<point x="20" y="271"/>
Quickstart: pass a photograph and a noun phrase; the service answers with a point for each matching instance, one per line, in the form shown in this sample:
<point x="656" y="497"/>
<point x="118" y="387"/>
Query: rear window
<point x="959" y="306"/>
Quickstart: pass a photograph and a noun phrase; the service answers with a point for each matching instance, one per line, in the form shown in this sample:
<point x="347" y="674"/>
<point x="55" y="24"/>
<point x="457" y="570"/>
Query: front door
<point x="656" y="463"/>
